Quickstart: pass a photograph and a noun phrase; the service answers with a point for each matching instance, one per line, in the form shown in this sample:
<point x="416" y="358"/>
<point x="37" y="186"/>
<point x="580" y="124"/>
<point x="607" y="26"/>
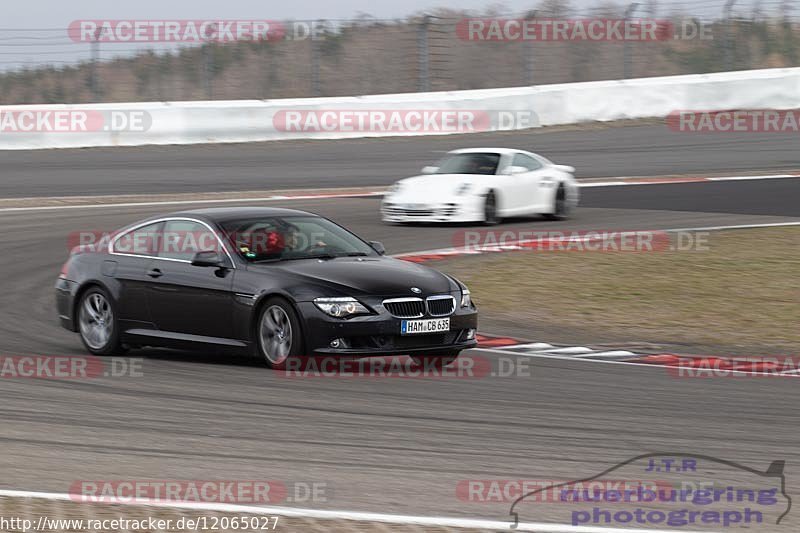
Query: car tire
<point x="490" y="217"/>
<point x="560" y="207"/>
<point x="434" y="361"/>
<point x="98" y="325"/>
<point x="279" y="337"/>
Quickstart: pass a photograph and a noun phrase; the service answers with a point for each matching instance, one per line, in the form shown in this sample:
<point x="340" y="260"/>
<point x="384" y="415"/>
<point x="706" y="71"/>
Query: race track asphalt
<point x="382" y="445"/>
<point x="642" y="150"/>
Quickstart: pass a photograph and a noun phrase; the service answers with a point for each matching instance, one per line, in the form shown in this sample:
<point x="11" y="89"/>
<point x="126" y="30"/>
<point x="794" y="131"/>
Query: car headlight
<point x="395" y="188"/>
<point x="463" y="188"/>
<point x="342" y="307"/>
<point x="466" y="298"/>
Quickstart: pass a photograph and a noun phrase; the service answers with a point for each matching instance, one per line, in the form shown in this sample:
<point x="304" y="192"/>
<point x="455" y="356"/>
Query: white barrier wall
<point x="27" y="127"/>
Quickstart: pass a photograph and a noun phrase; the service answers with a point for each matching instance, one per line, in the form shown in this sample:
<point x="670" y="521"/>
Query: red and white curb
<point x="511" y="345"/>
<point x="678" y="364"/>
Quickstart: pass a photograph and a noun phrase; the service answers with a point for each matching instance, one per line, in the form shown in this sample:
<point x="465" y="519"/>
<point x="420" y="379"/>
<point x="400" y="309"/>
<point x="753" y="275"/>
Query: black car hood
<point x="354" y="276"/>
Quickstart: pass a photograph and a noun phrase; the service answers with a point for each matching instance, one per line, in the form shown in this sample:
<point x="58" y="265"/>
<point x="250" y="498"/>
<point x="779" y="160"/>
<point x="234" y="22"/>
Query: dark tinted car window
<point x="182" y="239"/>
<point x="289" y="238"/>
<point x="472" y="163"/>
<point x="144" y="241"/>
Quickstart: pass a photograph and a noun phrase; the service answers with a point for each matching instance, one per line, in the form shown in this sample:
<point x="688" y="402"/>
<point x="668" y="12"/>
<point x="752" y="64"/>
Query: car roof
<point x="485" y="150"/>
<point x="223" y="214"/>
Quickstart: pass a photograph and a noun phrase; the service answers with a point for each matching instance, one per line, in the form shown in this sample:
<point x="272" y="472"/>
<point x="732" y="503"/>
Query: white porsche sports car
<point x="483" y="185"/>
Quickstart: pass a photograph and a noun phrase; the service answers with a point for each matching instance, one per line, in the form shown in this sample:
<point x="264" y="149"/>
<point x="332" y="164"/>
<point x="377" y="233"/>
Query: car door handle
<point x="155" y="273"/>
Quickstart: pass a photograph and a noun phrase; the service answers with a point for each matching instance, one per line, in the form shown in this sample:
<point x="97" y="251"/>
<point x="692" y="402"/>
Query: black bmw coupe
<point x="277" y="283"/>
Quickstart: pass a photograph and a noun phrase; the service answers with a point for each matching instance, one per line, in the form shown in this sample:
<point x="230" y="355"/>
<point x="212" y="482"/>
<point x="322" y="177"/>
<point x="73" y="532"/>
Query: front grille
<point x="413" y="212"/>
<point x="441" y="305"/>
<point x="396" y="210"/>
<point x="405" y="307"/>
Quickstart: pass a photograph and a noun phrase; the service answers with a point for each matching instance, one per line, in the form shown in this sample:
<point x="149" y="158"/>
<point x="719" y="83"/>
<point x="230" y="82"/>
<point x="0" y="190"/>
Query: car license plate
<point x="415" y="327"/>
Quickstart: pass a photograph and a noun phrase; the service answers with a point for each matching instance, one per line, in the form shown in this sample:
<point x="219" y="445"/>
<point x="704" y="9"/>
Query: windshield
<point x="290" y="238"/>
<point x="472" y="163"/>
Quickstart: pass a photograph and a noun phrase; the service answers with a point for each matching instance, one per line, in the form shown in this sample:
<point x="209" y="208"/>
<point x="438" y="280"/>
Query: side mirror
<point x="209" y="258"/>
<point x="515" y="170"/>
<point x="378" y="247"/>
<point x="429" y="170"/>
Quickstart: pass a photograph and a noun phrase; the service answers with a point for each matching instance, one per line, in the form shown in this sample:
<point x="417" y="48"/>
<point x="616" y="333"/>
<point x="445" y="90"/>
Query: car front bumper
<point x="379" y="334"/>
<point x="466" y="209"/>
